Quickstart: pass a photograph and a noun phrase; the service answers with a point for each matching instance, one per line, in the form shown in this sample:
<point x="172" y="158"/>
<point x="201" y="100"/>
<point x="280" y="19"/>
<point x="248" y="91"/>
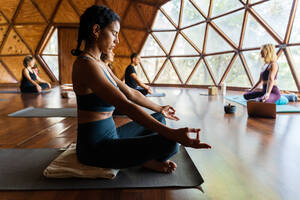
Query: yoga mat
<point x="156" y="95"/>
<point x="3" y="99"/>
<point x="45" y="112"/>
<point x="22" y="169"/>
<point x="17" y="91"/>
<point x="279" y="108"/>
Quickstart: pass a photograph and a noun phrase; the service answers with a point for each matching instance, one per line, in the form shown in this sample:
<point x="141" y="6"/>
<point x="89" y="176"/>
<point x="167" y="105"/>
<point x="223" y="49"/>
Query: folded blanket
<point x="66" y="165"/>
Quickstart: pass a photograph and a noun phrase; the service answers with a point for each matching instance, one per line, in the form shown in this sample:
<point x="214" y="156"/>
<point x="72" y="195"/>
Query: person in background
<point x="31" y="82"/>
<point x="131" y="78"/>
<point x="270" y="93"/>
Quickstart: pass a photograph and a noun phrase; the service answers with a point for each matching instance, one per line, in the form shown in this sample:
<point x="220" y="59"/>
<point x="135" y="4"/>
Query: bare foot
<point x="165" y="167"/>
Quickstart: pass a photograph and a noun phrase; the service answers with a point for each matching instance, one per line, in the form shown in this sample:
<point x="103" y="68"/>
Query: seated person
<point x="98" y="92"/>
<point x="268" y="77"/>
<point x="131" y="78"/>
<point x="31" y="82"/>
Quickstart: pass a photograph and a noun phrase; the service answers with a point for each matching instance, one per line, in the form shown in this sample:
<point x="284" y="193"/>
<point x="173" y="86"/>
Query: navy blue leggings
<point x="101" y="144"/>
<point x="33" y="88"/>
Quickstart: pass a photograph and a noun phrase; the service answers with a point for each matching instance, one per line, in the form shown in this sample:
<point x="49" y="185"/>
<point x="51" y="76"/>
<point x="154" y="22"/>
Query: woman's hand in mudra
<point x="266" y="97"/>
<point x="169" y="112"/>
<point x="182" y="135"/>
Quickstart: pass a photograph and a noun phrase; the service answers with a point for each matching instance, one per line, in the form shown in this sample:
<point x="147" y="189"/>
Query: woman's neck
<point x="92" y="49"/>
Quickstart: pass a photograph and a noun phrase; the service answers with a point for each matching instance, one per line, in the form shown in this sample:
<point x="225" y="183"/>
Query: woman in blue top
<point x="146" y="141"/>
<point x="31" y="82"/>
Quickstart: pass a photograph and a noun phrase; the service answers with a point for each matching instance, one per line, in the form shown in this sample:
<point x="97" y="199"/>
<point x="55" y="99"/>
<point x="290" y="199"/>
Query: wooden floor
<point x="251" y="158"/>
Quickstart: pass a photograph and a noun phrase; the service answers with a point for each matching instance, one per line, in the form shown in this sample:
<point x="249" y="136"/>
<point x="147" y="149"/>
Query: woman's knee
<point x="169" y="149"/>
<point x="159" y="117"/>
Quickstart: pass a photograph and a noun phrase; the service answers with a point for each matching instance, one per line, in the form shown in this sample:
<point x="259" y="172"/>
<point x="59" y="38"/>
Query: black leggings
<point x="101" y="144"/>
<point x="33" y="88"/>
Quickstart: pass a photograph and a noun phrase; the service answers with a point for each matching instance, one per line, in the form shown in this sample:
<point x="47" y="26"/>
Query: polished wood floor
<point x="251" y="158"/>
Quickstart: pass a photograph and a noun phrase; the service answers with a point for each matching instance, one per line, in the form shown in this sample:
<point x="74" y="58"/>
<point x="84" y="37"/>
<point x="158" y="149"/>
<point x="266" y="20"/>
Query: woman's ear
<point x="96" y="31"/>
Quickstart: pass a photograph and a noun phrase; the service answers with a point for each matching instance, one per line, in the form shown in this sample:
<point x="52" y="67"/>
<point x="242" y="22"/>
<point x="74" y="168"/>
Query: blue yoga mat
<point x="279" y="108"/>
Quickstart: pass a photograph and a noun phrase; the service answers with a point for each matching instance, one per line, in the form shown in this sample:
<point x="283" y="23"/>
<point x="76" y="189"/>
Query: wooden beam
<point x="46" y="68"/>
<point x="246" y="68"/>
<point x="193" y="71"/>
<point x="147" y="77"/>
<point x="10" y="26"/>
<point x="242" y="36"/>
<point x="265" y="25"/>
<point x="291" y="22"/>
<point x="223" y="35"/>
<point x="210" y="71"/>
<point x="176" y="71"/>
<point x="8" y="70"/>
<point x="159" y="71"/>
<point x="292" y="65"/>
<point x="180" y="13"/>
<point x="228" y="69"/>
<point x="41" y="13"/>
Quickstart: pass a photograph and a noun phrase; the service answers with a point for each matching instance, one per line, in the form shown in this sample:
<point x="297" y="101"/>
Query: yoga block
<point x="213" y="91"/>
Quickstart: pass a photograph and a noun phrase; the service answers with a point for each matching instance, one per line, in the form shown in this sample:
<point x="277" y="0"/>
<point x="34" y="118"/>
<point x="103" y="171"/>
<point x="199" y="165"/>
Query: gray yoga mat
<point x="22" y="169"/>
<point x="156" y="95"/>
<point x="18" y="91"/>
<point x="45" y="112"/>
<point x="3" y="99"/>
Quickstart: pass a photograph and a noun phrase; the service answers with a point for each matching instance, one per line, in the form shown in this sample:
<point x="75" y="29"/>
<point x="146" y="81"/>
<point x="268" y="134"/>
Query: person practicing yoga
<point x="131" y="78"/>
<point x="146" y="141"/>
<point x="270" y="93"/>
<point x="31" y="82"/>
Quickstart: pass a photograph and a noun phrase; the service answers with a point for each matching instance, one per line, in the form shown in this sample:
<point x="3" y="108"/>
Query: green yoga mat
<point x="22" y="169"/>
<point x="279" y="108"/>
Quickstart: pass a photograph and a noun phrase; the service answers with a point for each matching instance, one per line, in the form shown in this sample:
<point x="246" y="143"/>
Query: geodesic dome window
<point x="203" y="42"/>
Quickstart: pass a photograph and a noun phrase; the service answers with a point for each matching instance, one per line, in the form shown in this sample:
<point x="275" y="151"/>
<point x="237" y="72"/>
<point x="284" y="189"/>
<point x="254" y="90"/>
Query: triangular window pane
<point x="52" y="46"/>
<point x="196" y="34"/>
<point x="152" y="66"/>
<point x="295" y="35"/>
<point x="151" y="48"/>
<point x="237" y="76"/>
<point x="203" y="5"/>
<point x="295" y="51"/>
<point x="190" y="15"/>
<point x="173" y="9"/>
<point x="162" y="23"/>
<point x="254" y="63"/>
<point x="140" y="74"/>
<point x="285" y="77"/>
<point x="231" y="25"/>
<point x="218" y="64"/>
<point x="168" y="75"/>
<point x="182" y="47"/>
<point x="225" y="6"/>
<point x="276" y="13"/>
<point x="184" y="66"/>
<point x="166" y="39"/>
<point x="256" y="35"/>
<point x="215" y="43"/>
<point x="52" y="62"/>
<point x="201" y="76"/>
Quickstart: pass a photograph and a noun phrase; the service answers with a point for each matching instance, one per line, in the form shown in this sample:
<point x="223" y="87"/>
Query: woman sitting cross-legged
<point x="31" y="82"/>
<point x="270" y="93"/>
<point x="146" y="141"/>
